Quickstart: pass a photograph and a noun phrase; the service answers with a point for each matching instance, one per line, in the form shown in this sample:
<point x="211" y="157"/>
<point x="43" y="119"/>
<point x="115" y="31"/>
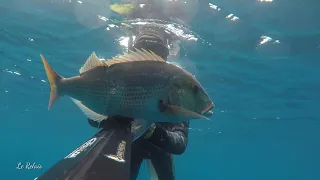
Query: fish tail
<point x="54" y="80"/>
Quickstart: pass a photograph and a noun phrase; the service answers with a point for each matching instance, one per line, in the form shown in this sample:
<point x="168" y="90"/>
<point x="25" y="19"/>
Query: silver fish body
<point x="148" y="90"/>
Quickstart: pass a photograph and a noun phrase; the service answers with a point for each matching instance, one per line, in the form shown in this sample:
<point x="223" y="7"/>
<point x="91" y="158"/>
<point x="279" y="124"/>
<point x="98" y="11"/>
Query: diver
<point x="163" y="140"/>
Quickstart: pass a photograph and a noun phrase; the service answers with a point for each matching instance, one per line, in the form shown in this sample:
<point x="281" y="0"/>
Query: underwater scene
<point x="159" y="89"/>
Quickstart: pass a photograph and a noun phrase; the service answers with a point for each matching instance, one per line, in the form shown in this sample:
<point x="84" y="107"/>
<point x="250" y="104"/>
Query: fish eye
<point x="195" y="89"/>
<point x="177" y="85"/>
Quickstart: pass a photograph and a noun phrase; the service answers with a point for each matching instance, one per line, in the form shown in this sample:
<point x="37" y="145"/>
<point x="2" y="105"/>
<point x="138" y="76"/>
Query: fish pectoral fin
<point x="92" y="62"/>
<point x="176" y="111"/>
<point x="88" y="112"/>
<point x="139" y="127"/>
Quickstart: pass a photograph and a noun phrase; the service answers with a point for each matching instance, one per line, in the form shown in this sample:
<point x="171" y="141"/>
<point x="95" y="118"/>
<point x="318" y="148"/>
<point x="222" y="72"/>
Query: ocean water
<point x="258" y="60"/>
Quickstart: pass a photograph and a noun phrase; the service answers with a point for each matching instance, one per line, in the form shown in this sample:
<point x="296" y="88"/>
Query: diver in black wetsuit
<point x="162" y="140"/>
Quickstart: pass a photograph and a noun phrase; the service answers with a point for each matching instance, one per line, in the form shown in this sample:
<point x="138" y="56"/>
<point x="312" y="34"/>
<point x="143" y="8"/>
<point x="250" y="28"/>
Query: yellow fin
<point x="138" y="55"/>
<point x="54" y="81"/>
<point x="92" y="62"/>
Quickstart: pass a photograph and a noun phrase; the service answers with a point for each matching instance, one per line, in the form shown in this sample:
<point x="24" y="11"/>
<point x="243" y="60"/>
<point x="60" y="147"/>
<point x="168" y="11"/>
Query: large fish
<point x="137" y="84"/>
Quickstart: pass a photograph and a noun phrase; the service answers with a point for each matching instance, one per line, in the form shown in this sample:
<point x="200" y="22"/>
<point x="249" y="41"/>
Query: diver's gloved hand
<point x="150" y="131"/>
<point x="151" y="138"/>
<point x="155" y="133"/>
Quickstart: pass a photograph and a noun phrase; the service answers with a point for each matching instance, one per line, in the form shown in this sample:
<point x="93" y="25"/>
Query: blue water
<point x="266" y="121"/>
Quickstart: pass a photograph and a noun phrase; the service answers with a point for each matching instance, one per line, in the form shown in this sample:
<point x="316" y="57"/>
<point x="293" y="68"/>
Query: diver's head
<point x="152" y="39"/>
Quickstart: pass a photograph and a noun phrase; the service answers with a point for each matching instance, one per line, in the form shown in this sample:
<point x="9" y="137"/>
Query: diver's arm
<point x="174" y="140"/>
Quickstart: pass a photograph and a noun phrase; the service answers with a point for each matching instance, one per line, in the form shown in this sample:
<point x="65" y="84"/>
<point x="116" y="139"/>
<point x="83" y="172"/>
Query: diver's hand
<point x="150" y="131"/>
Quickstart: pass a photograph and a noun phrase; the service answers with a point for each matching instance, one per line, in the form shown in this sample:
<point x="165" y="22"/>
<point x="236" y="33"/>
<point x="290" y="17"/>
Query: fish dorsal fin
<point x="92" y="62"/>
<point x="138" y="55"/>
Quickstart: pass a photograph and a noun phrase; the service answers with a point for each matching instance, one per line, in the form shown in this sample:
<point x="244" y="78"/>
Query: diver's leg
<point x="163" y="165"/>
<point x="135" y="166"/>
<point x="136" y="158"/>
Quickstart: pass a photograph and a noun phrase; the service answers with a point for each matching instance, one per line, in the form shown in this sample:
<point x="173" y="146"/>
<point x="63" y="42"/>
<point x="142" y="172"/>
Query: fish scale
<point x="130" y="101"/>
<point x="136" y="87"/>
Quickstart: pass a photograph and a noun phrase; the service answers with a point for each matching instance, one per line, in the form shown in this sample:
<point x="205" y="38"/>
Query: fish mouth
<point x="208" y="109"/>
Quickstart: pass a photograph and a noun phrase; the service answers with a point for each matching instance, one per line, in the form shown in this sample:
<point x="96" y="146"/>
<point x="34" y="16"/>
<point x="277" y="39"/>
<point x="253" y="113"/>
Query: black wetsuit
<point x="168" y="139"/>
